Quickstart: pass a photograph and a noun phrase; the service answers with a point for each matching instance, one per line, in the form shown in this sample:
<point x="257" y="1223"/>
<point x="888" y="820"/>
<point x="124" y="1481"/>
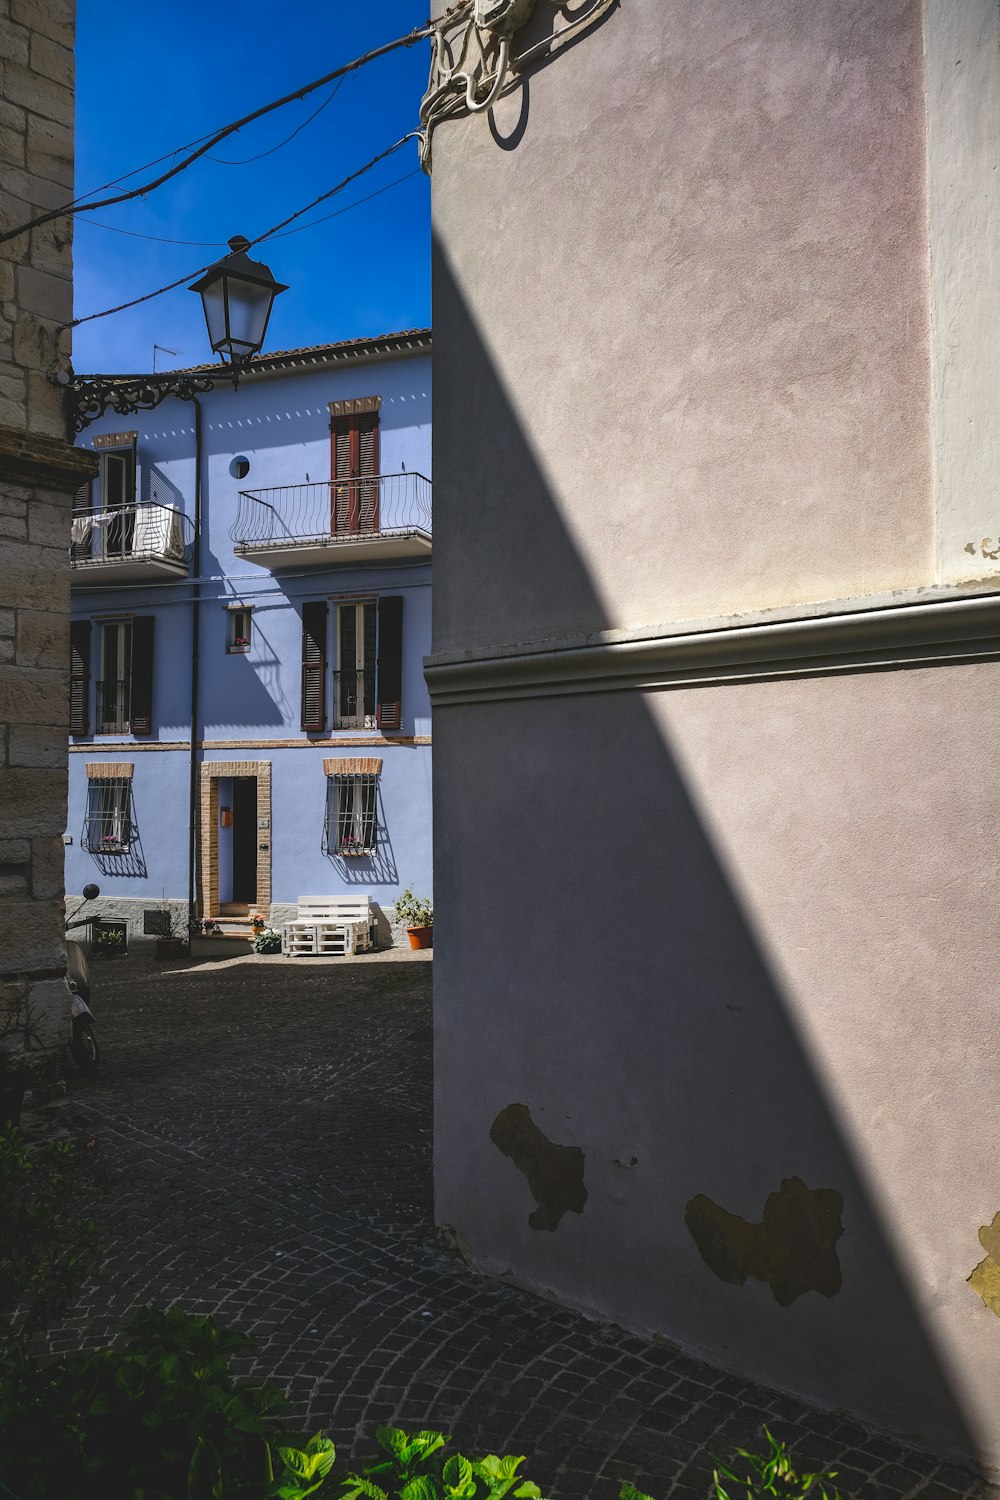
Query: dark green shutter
<point x="142" y="675"/>
<point x="314" y="666"/>
<point x="79" y="675"/>
<point x="389" y="687"/>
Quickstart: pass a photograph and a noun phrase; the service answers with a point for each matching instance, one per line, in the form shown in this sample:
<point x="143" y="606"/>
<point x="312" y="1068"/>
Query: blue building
<point x="251" y="607"/>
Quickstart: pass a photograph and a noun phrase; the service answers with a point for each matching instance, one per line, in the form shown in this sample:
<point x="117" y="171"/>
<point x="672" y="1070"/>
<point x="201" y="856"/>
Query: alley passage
<point x="266" y="1129"/>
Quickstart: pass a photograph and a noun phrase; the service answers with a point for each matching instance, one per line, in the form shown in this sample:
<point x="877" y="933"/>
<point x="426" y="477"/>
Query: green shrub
<point x="45" y="1248"/>
<point x="268" y="941"/>
<point x="163" y="1418"/>
<point x="751" y="1477"/>
<point x="108" y="942"/>
<point x="414" y="911"/>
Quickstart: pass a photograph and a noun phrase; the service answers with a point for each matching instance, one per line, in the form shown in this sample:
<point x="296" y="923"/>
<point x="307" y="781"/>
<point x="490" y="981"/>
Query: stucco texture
<point x="698" y="275"/>
<point x="753" y="947"/>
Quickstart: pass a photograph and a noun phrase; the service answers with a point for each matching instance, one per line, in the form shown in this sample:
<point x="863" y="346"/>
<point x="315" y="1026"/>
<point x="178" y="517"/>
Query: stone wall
<point x="39" y="473"/>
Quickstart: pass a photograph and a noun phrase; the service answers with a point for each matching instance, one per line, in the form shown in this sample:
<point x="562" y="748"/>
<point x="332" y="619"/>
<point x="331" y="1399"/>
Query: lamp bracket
<point x="90" y="396"/>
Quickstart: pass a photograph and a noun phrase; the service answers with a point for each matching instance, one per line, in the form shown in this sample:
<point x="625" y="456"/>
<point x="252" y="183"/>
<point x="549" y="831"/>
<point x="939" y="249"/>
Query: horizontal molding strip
<point x="907" y="635"/>
<point x="110" y="746"/>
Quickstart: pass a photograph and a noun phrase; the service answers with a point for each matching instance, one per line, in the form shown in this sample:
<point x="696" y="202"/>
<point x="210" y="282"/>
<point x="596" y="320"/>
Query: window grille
<point x="351" y="815"/>
<point x="108" y="829"/>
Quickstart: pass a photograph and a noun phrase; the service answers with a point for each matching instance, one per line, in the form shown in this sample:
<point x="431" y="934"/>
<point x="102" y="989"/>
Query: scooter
<point x="83" y="1047"/>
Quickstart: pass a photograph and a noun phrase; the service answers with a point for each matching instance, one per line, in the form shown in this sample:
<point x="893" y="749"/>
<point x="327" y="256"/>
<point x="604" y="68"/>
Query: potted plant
<point x="257" y="921"/>
<point x="173" y="944"/>
<point x="417" y="916"/>
<point x="267" y="940"/>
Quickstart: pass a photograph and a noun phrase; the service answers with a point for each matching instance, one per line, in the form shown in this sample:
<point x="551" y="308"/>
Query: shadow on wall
<point x="369" y="869"/>
<point x="629" y="1004"/>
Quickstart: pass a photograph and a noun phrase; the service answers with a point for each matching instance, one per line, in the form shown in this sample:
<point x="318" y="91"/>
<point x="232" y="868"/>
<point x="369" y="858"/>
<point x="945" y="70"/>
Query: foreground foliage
<point x="164" y="1418"/>
<point x="45" y="1249"/>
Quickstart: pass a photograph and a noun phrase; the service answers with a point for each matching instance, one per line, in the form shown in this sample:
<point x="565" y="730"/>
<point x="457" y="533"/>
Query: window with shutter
<point x="79" y="676"/>
<point x="116" y="485"/>
<point x="313" y="707"/>
<point x="141" y="714"/>
<point x="354" y="500"/>
<point x="389" y="714"/>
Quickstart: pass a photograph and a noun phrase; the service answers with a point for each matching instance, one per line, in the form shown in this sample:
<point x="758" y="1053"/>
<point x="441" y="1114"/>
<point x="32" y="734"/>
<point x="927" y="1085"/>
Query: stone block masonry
<point x="39" y="474"/>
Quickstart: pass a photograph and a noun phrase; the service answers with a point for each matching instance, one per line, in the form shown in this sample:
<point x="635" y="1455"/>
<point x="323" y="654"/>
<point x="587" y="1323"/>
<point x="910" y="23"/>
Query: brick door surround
<point x="208" y="862"/>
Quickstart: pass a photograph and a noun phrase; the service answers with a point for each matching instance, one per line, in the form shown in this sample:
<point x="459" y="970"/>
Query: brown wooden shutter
<point x="389" y="688"/>
<point x="354" y="459"/>
<point x="367" y="470"/>
<point x="314" y="666"/>
<point x="79" y="676"/>
<point x="142" y="675"/>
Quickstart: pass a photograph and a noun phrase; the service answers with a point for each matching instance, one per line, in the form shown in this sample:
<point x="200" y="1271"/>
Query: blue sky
<point x="151" y="78"/>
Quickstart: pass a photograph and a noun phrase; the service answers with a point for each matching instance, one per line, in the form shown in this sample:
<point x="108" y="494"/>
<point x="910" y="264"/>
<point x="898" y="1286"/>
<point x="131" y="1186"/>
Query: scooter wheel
<point x="85" y="1053"/>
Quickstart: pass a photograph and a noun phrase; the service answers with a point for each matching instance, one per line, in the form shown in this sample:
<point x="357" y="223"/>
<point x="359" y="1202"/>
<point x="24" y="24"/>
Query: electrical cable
<point x="245" y="160"/>
<point x="75" y="207"/>
<point x="259" y="239"/>
<point x="160" y="239"/>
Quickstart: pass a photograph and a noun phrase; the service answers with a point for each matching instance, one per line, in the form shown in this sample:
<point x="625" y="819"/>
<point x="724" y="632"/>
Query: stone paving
<point x="265" y="1128"/>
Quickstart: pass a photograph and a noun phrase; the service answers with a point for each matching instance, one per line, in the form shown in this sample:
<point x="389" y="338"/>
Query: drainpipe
<point x="194" y="801"/>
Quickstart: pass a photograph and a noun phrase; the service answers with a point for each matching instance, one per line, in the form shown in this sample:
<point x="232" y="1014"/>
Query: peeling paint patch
<point x="792" y="1250"/>
<point x="554" y="1173"/>
<point x="985" y="1279"/>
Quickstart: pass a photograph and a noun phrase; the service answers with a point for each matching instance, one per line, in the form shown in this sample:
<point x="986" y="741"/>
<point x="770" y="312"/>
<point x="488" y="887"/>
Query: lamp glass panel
<point x="249" y="305"/>
<point x="214" y="303"/>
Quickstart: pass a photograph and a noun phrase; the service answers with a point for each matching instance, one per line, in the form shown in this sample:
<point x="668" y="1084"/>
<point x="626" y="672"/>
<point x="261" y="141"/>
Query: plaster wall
<point x="963" y="98"/>
<point x="751" y="948"/>
<point x="698" y="276"/>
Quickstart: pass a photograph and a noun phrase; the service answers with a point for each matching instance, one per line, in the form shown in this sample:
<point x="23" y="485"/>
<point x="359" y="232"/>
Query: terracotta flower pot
<point x="420" y="937"/>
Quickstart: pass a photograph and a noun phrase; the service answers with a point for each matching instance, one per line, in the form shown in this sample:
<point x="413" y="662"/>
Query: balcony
<point x="113" y="707"/>
<point x="130" y="544"/>
<point x="318" y="525"/>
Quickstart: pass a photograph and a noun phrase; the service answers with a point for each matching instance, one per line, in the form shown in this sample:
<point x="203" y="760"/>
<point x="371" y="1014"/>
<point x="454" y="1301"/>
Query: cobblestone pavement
<point x="265" y="1126"/>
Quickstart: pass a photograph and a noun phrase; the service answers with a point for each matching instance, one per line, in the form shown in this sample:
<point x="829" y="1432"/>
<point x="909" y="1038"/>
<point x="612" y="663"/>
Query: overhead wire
<point x="76" y="207"/>
<point x="257" y="240"/>
<point x="244" y="161"/>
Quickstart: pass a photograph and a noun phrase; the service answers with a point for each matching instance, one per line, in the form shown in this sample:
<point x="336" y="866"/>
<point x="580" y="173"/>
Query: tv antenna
<point x="164" y="350"/>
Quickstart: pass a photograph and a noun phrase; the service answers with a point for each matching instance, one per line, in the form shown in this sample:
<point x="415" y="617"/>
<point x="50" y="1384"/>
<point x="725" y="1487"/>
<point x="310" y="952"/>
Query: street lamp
<point x="237" y="295"/>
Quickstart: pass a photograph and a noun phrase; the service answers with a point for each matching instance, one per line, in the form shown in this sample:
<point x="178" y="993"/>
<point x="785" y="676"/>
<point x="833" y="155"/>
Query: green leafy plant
<point x="769" y="1474"/>
<point x="45" y="1248"/>
<point x="162" y="1417"/>
<point x="772" y="1473"/>
<point x="268" y="941"/>
<point x="414" y="911"/>
<point x="109" y="942"/>
<point x="416" y="1469"/>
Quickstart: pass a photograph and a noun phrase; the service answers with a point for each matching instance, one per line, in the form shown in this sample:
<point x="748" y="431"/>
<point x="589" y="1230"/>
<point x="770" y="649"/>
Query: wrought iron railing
<point x="114" y="707"/>
<point x="354" y="699"/>
<point x="333" y="510"/>
<point x="127" y="533"/>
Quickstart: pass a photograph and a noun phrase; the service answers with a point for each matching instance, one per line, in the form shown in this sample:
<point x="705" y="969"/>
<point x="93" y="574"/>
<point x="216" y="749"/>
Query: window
<point x="352" y="814"/>
<point x="354" y="678"/>
<point x="368" y="664"/>
<point x="125" y="687"/>
<point x="239" y="638"/>
<point x="116" y="491"/>
<point x="108" y="829"/>
<point x="240" y="466"/>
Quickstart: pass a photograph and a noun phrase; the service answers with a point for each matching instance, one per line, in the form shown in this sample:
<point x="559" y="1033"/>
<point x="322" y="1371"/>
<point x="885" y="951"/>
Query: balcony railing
<point x="125" y="535"/>
<point x="354" y="699"/>
<point x="353" y="513"/>
<point x="114" y="707"/>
